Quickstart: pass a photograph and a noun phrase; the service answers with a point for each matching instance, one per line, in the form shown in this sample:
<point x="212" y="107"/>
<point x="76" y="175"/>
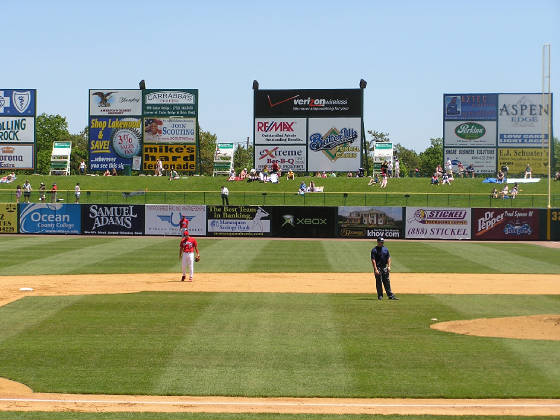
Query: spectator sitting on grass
<point x="291" y="175"/>
<point x="494" y="193"/>
<point x="173" y="174"/>
<point x="373" y="179"/>
<point x="505" y="192"/>
<point x="302" y="188"/>
<point x="243" y="174"/>
<point x="557" y="176"/>
<point x="445" y="179"/>
<point x="435" y="179"/>
<point x="515" y="190"/>
<point x="500" y="178"/>
<point x="311" y="186"/>
<point x="460" y="169"/>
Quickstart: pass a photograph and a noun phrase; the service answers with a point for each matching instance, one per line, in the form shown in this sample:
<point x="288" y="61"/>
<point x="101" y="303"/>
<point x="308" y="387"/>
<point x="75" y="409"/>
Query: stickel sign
<point x="50" y="218"/>
<point x="181" y="157"/>
<point x="164" y="219"/>
<point x="17" y="102"/>
<point x="17" y="129"/>
<point x="505" y="224"/>
<point x="115" y="102"/>
<point x="169" y="130"/>
<point x="238" y="221"/>
<point x="101" y="219"/>
<point x="370" y="222"/>
<point x="114" y="142"/>
<point x="438" y="223"/>
<point x="169" y="103"/>
<point x="16" y="156"/>
<point x="308" y="103"/>
<point x="8" y="218"/>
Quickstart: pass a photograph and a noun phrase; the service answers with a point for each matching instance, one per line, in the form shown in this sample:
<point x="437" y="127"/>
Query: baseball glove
<point x="197" y="258"/>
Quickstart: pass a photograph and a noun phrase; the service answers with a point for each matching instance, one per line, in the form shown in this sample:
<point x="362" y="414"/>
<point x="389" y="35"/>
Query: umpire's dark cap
<point x="380" y="239"/>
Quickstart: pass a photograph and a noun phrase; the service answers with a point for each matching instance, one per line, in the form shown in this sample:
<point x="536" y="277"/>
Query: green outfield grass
<point x="266" y="344"/>
<point x="56" y="254"/>
<point x="338" y="191"/>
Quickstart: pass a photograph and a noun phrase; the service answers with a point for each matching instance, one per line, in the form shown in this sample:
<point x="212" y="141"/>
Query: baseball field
<point x="102" y="328"/>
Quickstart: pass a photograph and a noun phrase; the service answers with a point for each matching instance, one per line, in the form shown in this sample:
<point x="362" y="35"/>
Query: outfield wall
<point x="365" y="222"/>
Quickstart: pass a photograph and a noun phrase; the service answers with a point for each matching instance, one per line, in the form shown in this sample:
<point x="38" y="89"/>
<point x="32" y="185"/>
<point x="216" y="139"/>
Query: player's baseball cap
<point x="186" y="233"/>
<point x="380" y="239"/>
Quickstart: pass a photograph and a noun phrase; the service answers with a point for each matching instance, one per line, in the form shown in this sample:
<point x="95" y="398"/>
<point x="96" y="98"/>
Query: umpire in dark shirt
<point x="381" y="261"/>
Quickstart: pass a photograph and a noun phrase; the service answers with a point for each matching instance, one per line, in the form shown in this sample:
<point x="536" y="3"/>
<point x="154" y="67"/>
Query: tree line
<point x="51" y="128"/>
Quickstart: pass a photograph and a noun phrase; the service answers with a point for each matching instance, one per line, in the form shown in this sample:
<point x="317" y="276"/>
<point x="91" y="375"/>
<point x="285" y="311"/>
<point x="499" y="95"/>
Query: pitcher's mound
<point x="534" y="327"/>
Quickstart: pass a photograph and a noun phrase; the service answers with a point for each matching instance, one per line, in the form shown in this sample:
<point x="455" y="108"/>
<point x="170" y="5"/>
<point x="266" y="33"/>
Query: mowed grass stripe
<point x="133" y="255"/>
<point x="228" y="255"/>
<point x="19" y="316"/>
<point x="259" y="345"/>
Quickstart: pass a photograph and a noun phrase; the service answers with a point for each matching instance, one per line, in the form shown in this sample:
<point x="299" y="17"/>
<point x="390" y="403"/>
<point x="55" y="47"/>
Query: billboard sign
<point x="50" y="218"/>
<point x="522" y="120"/>
<point x="163" y="219"/>
<point x="470" y="133"/>
<point x="370" y="222"/>
<point x="16" y="156"/>
<point x="8" y="218"/>
<point x="115" y="102"/>
<point x="170" y="103"/>
<point x="517" y="159"/>
<point x="474" y="106"/>
<point x="101" y="219"/>
<point x="482" y="159"/>
<point x="181" y="157"/>
<point x="113" y="142"/>
<point x="505" y="224"/>
<point x="169" y="130"/>
<point x="334" y="144"/>
<point x="238" y="221"/>
<point x="18" y="102"/>
<point x="308" y="103"/>
<point x="280" y="131"/>
<point x="288" y="157"/>
<point x="17" y="129"/>
<point x="438" y="223"/>
<point x="303" y="221"/>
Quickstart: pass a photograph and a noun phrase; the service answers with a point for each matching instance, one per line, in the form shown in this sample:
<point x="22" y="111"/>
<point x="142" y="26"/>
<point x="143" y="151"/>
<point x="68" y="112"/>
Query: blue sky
<point x="409" y="52"/>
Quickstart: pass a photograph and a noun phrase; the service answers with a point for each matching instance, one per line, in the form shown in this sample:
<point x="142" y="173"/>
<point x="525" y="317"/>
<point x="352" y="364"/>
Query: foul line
<point x="284" y="404"/>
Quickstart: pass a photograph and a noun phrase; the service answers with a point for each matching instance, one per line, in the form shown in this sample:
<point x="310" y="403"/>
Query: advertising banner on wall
<point x="49" y="218"/>
<point x="334" y="144"/>
<point x="303" y="222"/>
<point x="517" y="159"/>
<point x="505" y="224"/>
<point x="108" y="219"/>
<point x="238" y="221"/>
<point x="308" y="103"/>
<point x="181" y="157"/>
<point x="370" y="222"/>
<point x="470" y="133"/>
<point x="163" y="219"/>
<point x="8" y="218"/>
<point x="113" y="142"/>
<point x="18" y="102"/>
<point x="17" y="129"/>
<point x="482" y="159"/>
<point x="472" y="106"/>
<point x="170" y="102"/>
<point x="554" y="223"/>
<point x="438" y="223"/>
<point x="280" y="131"/>
<point x="288" y="157"/>
<point x="16" y="156"/>
<point x="169" y="130"/>
<point x="115" y="102"/>
<point x="522" y="120"/>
